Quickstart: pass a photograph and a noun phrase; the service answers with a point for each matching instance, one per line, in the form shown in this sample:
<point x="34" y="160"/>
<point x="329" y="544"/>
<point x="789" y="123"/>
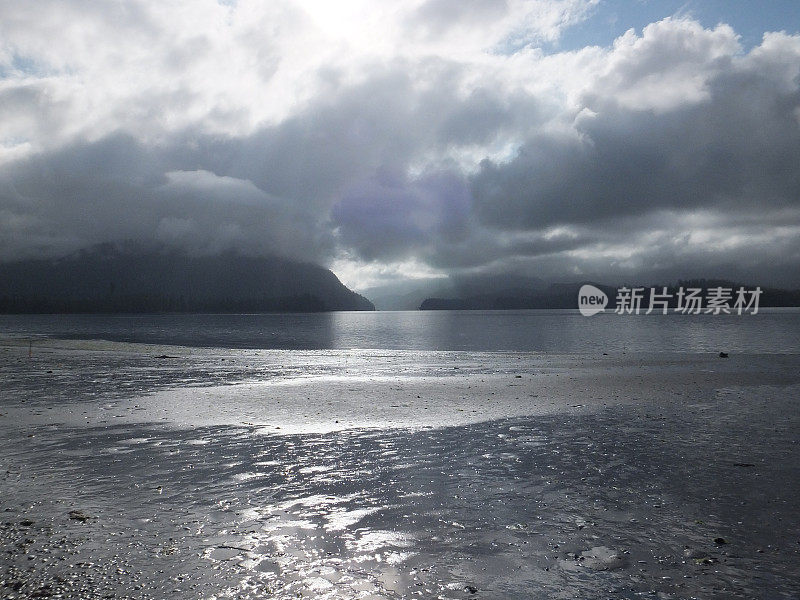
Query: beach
<point x="143" y="471"/>
<point x="409" y="300"/>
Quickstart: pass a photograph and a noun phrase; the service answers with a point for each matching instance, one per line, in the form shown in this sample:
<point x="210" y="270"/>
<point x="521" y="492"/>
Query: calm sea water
<point x="771" y="331"/>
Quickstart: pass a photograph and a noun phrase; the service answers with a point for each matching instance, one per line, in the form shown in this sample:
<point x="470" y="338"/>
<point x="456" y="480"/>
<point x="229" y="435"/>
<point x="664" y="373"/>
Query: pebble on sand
<point x="79" y="515"/>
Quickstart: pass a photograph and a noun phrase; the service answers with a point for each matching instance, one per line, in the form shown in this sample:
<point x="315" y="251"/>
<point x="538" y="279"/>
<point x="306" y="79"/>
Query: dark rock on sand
<point x="698" y="556"/>
<point x="78" y="515"/>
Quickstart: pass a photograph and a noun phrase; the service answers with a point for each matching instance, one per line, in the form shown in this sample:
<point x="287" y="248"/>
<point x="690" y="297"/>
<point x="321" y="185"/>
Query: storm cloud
<point x="426" y="139"/>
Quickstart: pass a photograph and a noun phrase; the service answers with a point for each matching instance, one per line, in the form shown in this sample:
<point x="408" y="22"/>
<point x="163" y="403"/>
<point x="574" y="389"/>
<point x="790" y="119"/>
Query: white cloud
<point x="668" y="66"/>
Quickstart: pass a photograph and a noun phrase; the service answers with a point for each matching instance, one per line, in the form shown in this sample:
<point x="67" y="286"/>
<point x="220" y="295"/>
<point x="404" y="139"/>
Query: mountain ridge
<point x="126" y="277"/>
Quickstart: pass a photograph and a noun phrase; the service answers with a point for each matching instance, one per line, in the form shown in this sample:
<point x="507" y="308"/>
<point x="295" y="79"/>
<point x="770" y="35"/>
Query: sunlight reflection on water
<point x="772" y="330"/>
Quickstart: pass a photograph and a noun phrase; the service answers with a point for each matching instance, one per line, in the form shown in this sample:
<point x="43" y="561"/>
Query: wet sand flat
<point x="157" y="472"/>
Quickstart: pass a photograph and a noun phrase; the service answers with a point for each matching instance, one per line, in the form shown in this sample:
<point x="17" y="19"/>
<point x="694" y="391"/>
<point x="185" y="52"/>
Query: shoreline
<point x="83" y="382"/>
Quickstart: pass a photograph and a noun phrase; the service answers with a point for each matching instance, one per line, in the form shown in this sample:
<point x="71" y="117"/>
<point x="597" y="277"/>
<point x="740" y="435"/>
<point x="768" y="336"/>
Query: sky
<point x="409" y="142"/>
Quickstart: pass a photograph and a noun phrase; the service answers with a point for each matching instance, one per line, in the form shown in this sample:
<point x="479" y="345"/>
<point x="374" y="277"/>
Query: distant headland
<point x="565" y="295"/>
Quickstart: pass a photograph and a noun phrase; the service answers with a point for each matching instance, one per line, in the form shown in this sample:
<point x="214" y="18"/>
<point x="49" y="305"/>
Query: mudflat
<point x="134" y="471"/>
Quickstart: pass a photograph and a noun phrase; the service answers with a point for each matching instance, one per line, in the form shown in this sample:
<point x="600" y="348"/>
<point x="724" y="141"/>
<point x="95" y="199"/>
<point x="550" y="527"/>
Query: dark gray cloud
<point x="391" y="217"/>
<point x="119" y="189"/>
<point x="738" y="150"/>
